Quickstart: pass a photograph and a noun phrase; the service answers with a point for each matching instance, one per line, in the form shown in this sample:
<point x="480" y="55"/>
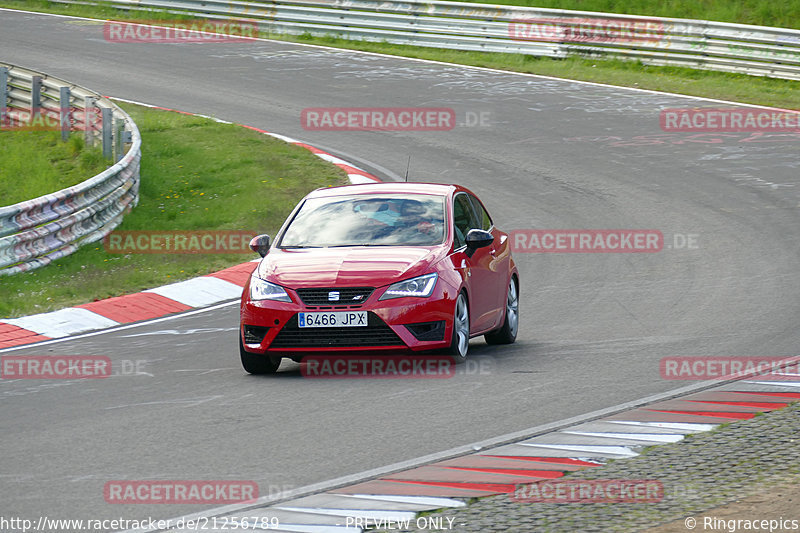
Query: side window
<point x="463" y="219"/>
<point x="483" y="216"/>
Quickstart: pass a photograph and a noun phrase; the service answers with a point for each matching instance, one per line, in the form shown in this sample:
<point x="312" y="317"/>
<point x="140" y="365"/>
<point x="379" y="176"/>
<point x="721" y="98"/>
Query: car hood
<point x="374" y="266"/>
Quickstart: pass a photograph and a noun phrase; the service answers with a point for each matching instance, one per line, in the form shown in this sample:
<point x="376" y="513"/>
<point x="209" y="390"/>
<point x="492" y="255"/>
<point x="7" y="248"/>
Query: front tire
<point x="459" y="343"/>
<point x="254" y="363"/>
<point x="507" y="333"/>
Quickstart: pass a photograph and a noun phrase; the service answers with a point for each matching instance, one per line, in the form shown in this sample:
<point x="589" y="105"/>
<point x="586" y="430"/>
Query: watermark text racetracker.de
<point x="392" y="118"/>
<point x="590" y="491"/>
<point x="392" y="366"/>
<point x="180" y="491"/>
<point x="50" y="119"/>
<point x="69" y="367"/>
<point x="180" y="31"/>
<point x="378" y="119"/>
<point x="599" y="241"/>
<point x="586" y="241"/>
<point x="55" y="366"/>
<point x="733" y="119"/>
<point x="47" y="524"/>
<point x="704" y="368"/>
<point x="179" y="242"/>
<point x="587" y="30"/>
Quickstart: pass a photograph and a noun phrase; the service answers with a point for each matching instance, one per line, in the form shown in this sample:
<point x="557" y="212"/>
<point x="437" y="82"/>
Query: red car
<point x="379" y="267"/>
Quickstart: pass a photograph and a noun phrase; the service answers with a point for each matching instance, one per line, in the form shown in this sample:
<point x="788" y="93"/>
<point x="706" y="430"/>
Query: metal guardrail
<point x="35" y="232"/>
<point x="754" y="50"/>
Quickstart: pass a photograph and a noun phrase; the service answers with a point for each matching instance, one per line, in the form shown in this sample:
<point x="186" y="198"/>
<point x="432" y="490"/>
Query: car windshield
<point x="360" y="220"/>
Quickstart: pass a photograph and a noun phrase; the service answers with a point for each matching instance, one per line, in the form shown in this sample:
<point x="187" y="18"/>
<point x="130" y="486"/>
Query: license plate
<point x="332" y="319"/>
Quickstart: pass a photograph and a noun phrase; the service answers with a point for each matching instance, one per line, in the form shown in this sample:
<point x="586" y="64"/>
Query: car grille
<point x="349" y="297"/>
<point x="376" y="333"/>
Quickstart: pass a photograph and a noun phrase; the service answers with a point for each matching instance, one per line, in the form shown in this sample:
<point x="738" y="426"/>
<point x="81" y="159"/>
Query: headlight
<point x="264" y="290"/>
<point x="421" y="286"/>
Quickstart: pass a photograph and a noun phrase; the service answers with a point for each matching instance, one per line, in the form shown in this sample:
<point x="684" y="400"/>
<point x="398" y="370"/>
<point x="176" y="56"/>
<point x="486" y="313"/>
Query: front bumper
<point x="396" y="325"/>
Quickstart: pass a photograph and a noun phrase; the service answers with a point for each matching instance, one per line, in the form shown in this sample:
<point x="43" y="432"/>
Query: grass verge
<point x="196" y="174"/>
<point x="719" y="85"/>
<point x="777" y="13"/>
<point x="47" y="164"/>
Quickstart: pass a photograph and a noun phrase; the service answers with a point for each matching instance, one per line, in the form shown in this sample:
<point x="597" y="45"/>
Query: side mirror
<point x="260" y="244"/>
<point x="477" y="238"/>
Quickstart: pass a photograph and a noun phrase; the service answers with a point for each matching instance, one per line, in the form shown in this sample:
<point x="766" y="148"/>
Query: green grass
<point x="35" y="163"/>
<point x="779" y="13"/>
<point x="196" y="174"/>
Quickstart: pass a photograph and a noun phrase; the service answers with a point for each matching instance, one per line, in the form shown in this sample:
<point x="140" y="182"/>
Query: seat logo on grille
<point x="333" y="296"/>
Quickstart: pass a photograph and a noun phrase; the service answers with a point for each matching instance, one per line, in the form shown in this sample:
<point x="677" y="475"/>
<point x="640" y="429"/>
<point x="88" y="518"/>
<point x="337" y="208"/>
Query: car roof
<point x="389" y="188"/>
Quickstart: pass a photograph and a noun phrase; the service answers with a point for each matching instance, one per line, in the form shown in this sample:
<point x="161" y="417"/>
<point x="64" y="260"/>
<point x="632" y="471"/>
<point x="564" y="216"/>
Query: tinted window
<point x="483" y="216"/>
<point x="464" y="218"/>
<point x="363" y="220"/>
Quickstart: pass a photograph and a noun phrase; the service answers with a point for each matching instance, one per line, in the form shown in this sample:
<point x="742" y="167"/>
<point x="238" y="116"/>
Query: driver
<point x="386" y="213"/>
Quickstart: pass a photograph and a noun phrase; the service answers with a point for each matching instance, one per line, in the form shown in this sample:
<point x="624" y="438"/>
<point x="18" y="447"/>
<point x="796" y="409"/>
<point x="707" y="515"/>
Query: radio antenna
<point x="408" y="165"/>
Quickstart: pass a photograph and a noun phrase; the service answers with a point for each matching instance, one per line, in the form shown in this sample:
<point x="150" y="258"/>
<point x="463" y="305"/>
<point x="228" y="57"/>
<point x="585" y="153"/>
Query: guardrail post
<point x="65" y="113"/>
<point x="119" y="124"/>
<point x="36" y="95"/>
<point x="56" y="224"/>
<point x="88" y="120"/>
<point x="107" y="127"/>
<point x="3" y="95"/>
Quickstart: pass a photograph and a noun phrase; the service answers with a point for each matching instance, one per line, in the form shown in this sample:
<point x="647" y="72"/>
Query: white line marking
<point x="684" y="427"/>
<point x="179" y="332"/>
<point x="337" y="161"/>
<point x="468" y="449"/>
<point x="422" y="500"/>
<point x="63" y="322"/>
<point x="372" y="514"/>
<point x="199" y="292"/>
<point x="624" y="451"/>
<point x="356" y="179"/>
<point x="647" y="437"/>
<point x="301" y="528"/>
<point x="778" y="383"/>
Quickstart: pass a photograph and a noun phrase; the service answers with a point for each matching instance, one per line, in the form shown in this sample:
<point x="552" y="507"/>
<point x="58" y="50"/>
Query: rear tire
<point x="459" y="343"/>
<point x="507" y="333"/>
<point x="254" y="363"/>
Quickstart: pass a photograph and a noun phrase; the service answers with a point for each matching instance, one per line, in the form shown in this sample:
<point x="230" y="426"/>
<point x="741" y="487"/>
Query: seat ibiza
<point x="379" y="268"/>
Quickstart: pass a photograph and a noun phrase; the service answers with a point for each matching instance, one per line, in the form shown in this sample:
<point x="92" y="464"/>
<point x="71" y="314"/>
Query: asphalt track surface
<point x="554" y="154"/>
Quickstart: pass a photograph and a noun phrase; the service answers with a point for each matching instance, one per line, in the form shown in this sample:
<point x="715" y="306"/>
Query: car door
<point x="497" y="266"/>
<point x="482" y="305"/>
